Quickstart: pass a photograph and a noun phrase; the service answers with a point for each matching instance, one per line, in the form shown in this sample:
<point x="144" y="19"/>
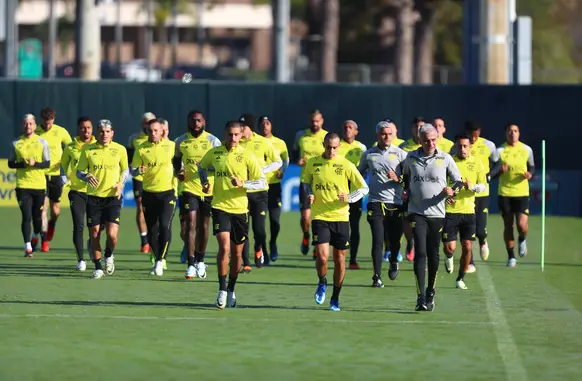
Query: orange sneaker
<point x="259" y="259"/>
<point x="145" y="248"/>
<point x="354" y="266"/>
<point x="44" y="247"/>
<point x="247" y="269"/>
<point x="410" y="255"/>
<point x="305" y="246"/>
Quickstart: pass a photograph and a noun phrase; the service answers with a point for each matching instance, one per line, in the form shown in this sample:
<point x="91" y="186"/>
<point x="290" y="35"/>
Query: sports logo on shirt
<point x="238" y="157"/>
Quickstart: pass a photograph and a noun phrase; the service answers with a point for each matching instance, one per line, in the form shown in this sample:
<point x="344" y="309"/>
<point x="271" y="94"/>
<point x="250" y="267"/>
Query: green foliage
<point x="448" y="33"/>
<point x="65" y="32"/>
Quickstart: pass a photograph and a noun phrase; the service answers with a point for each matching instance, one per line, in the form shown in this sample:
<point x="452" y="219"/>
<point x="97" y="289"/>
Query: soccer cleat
<point x="50" y="233"/>
<point x="145" y="248"/>
<point x="259" y="259"/>
<point x="44" y="247"/>
<point x="430" y="303"/>
<point x="393" y="270"/>
<point x="334" y="305"/>
<point x="399" y="257"/>
<point x="354" y="266"/>
<point x="449" y="264"/>
<point x="159" y="268"/>
<point x="81" y="266"/>
<point x="274" y="252"/>
<point x="200" y="270"/>
<point x="420" y="303"/>
<point x="377" y="282"/>
<point x="387" y="256"/>
<point x="109" y="265"/>
<point x="34" y="243"/>
<point x="221" y="299"/>
<point x="461" y="285"/>
<point x="484" y="252"/>
<point x="471" y="269"/>
<point x="522" y="248"/>
<point x="512" y="262"/>
<point x="320" y="293"/>
<point x="164" y="264"/>
<point x="183" y="254"/>
<point x="247" y="269"/>
<point x="410" y="255"/>
<point x="305" y="246"/>
<point x="230" y="299"/>
<point x="190" y="272"/>
<point x="97" y="274"/>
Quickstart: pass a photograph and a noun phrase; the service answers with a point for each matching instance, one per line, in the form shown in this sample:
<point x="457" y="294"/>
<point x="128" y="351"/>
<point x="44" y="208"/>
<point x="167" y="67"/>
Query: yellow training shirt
<point x="26" y="148"/>
<point x="70" y="161"/>
<point x="157" y="159"/>
<point x="486" y="152"/>
<point x="281" y="150"/>
<point x="353" y="152"/>
<point x="310" y="145"/>
<point x="192" y="149"/>
<point x="472" y="170"/>
<point x="135" y="140"/>
<point x="56" y="137"/>
<point x="226" y="164"/>
<point x="328" y="178"/>
<point x="262" y="149"/>
<point x="518" y="157"/>
<point x="409" y="145"/>
<point x="445" y="145"/>
<point x="108" y="163"/>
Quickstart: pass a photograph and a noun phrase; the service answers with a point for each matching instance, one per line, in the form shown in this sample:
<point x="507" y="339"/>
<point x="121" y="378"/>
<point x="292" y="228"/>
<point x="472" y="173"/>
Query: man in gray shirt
<point x="426" y="171"/>
<point x="383" y="163"/>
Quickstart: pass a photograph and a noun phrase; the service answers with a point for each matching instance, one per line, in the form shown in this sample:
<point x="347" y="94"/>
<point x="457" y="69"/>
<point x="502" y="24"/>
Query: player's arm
<point x="481" y="179"/>
<point x="284" y="158"/>
<point x="136" y="164"/>
<point x="454" y="174"/>
<point x="12" y="163"/>
<point x="177" y="158"/>
<point x="65" y="165"/>
<point x="124" y="168"/>
<point x="405" y="175"/>
<point x="83" y="167"/>
<point x="363" y="165"/>
<point x="204" y="166"/>
<point x="358" y="182"/>
<point x="530" y="164"/>
<point x="130" y="146"/>
<point x="297" y="146"/>
<point x="493" y="157"/>
<point x="274" y="160"/>
<point x="497" y="169"/>
<point x="256" y="179"/>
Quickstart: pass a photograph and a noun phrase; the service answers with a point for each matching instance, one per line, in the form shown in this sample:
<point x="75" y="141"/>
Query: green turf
<point x="56" y="323"/>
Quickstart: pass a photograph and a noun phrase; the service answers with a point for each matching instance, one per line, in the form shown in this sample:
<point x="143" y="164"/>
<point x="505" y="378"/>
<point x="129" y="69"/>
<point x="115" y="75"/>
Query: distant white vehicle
<point x="137" y="70"/>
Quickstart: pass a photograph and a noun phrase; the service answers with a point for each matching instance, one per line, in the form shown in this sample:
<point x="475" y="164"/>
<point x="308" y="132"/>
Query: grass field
<point x="514" y="324"/>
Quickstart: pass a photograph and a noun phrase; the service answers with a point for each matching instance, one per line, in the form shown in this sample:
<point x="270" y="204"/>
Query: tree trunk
<point x="405" y="42"/>
<point x="314" y="20"/>
<point x="330" y="41"/>
<point x="423" y="44"/>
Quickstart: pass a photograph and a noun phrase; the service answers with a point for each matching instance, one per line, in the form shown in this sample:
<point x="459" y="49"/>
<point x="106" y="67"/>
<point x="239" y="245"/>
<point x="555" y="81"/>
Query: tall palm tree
<point x="329" y="48"/>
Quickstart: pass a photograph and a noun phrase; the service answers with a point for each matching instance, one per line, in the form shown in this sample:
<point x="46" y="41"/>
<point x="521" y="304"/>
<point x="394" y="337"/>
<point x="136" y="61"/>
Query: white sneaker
<point x="81" y="266"/>
<point x="461" y="285"/>
<point x="109" y="266"/>
<point x="221" y="299"/>
<point x="523" y="248"/>
<point x="484" y="251"/>
<point x="471" y="269"/>
<point x="449" y="265"/>
<point x="230" y="300"/>
<point x="98" y="274"/>
<point x="190" y="272"/>
<point x="512" y="262"/>
<point x="201" y="270"/>
<point x="159" y="268"/>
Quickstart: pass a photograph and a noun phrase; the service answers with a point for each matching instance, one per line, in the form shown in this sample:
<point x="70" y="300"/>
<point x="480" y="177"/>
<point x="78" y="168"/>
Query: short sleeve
<point x="530" y="157"/>
<point x="66" y="137"/>
<point x="46" y="151"/>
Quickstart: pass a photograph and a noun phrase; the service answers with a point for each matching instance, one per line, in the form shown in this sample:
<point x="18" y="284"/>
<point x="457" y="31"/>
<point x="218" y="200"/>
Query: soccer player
<point x="30" y="156"/>
<point x="396" y="141"/>
<point x="135" y="140"/>
<point x="384" y="164"/>
<point x="103" y="165"/>
<point x="308" y="144"/>
<point x="269" y="161"/>
<point x="515" y="170"/>
<point x="195" y="205"/>
<point x="460" y="209"/>
<point x="78" y="191"/>
<point x="352" y="150"/>
<point x="326" y="179"/>
<point x="235" y="172"/>
<point x="425" y="181"/>
<point x="153" y="160"/>
<point x="57" y="138"/>
<point x="443" y="144"/>
<point x="274" y="181"/>
<point x="485" y="151"/>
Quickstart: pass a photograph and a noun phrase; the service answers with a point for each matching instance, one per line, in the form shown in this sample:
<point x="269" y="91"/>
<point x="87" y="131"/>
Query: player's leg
<point x="521" y="220"/>
<point x="78" y="205"/>
<point x="321" y="239"/>
<point x="166" y="209"/>
<point x="419" y="227"/>
<point x="151" y="211"/>
<point x="189" y="208"/>
<point x="393" y="223"/>
<point x="274" y="205"/>
<point x="433" y="241"/>
<point x="183" y="229"/>
<point x="139" y="216"/>
<point x="24" y="198"/>
<point x="481" y="214"/>
<point x="467" y="229"/>
<point x="54" y="193"/>
<point x="259" y="221"/>
<point x="449" y="238"/>
<point x="246" y="245"/>
<point x="387" y="249"/>
<point x="94" y="213"/>
<point x="45" y="209"/>
<point x="111" y="216"/>
<point x="38" y="199"/>
<point x="508" y="216"/>
<point x="305" y="220"/>
<point x="355" y="215"/>
<point x="201" y="242"/>
<point x="221" y="228"/>
<point x="409" y="235"/>
<point x="375" y="219"/>
<point x="239" y="234"/>
<point x="339" y="237"/>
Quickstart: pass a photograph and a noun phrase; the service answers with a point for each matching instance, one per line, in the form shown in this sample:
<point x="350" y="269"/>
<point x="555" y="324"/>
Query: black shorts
<point x="513" y="205"/>
<point x="337" y="234"/>
<point x="54" y="187"/>
<point x="274" y="196"/>
<point x="101" y="210"/>
<point x="191" y="203"/>
<point x="303" y="203"/>
<point x="463" y="224"/>
<point x="137" y="188"/>
<point x="236" y="224"/>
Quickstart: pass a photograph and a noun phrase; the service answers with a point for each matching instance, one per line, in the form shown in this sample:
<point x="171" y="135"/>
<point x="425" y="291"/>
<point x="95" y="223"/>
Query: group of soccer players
<point x="427" y="188"/>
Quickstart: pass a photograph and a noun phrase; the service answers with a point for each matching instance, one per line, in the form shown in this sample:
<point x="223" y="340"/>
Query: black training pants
<point x="427" y="237"/>
<point x="355" y="215"/>
<point x="31" y="203"/>
<point x="274" y="205"/>
<point x="159" y="211"/>
<point x="258" y="214"/>
<point x="385" y="221"/>
<point x="78" y="202"/>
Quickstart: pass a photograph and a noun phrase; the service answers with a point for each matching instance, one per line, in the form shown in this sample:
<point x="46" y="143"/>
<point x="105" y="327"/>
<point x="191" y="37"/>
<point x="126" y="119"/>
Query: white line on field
<point x="338" y="321"/>
<point x="505" y="344"/>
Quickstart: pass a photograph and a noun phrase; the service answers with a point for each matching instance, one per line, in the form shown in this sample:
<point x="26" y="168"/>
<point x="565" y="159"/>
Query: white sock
<point x="143" y="234"/>
<point x="28" y="246"/>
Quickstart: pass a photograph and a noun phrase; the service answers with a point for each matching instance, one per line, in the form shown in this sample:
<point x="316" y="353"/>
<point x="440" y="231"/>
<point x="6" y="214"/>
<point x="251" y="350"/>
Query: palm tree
<point x="329" y="48"/>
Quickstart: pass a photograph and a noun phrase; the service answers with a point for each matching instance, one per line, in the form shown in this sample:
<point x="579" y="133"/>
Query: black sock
<point x="199" y="256"/>
<point x="306" y="235"/>
<point x="144" y="239"/>
<point x="108" y="253"/>
<point x="482" y="241"/>
<point x="191" y="261"/>
<point x="98" y="264"/>
<point x="521" y="239"/>
<point x="43" y="236"/>
<point x="449" y="256"/>
<point x="222" y="282"/>
<point x="510" y="253"/>
<point x="231" y="284"/>
<point x="409" y="245"/>
<point x="52" y="224"/>
<point x="323" y="280"/>
<point x="336" y="292"/>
